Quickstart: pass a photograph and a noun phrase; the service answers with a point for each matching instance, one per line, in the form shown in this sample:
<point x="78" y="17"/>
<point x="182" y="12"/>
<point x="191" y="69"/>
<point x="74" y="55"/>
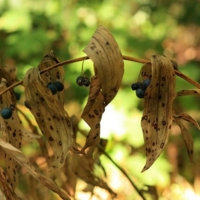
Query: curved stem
<point x="183" y="76"/>
<point x="66" y="62"/>
<point x="116" y="165"/>
<point x="128" y="58"/>
<point x="139" y="60"/>
<point x="123" y="171"/>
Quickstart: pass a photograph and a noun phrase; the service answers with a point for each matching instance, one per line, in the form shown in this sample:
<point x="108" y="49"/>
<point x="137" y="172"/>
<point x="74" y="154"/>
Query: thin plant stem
<point x="123" y="171"/>
<point x="116" y="165"/>
<point x="66" y="62"/>
<point x="183" y="76"/>
<point x="128" y="58"/>
<point x="132" y="59"/>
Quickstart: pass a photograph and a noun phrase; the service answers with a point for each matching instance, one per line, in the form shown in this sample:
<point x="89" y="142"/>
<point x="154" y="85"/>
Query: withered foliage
<point x="158" y="113"/>
<point x="103" y="50"/>
<point x="65" y="161"/>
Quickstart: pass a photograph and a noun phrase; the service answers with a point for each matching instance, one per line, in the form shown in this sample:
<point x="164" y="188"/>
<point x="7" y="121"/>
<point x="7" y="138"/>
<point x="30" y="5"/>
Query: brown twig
<point x="66" y="62"/>
<point x="183" y="76"/>
<point x="128" y="58"/>
<point x="132" y="59"/>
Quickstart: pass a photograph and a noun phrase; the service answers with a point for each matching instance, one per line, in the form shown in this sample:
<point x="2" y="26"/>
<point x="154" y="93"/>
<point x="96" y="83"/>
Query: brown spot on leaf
<point x="59" y="143"/>
<point x="97" y="125"/>
<point x="51" y="139"/>
<point x="162" y="145"/>
<point x="96" y="112"/>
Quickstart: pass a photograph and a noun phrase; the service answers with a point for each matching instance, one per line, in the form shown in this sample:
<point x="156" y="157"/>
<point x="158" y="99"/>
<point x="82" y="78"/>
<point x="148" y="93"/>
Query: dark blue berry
<point x="140" y="93"/>
<point x="26" y="104"/>
<point x="142" y="86"/>
<point x="135" y="86"/>
<point x="86" y="81"/>
<point x="17" y="95"/>
<point x="147" y="82"/>
<point x="79" y="80"/>
<point x="6" y="113"/>
<point x="59" y="86"/>
<point x="52" y="87"/>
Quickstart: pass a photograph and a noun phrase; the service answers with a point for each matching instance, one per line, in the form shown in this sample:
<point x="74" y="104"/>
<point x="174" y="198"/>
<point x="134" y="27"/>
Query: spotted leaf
<point x="195" y="92"/>
<point x="157" y="115"/>
<point x="187" y="137"/>
<point x="188" y="118"/>
<point x="53" y="75"/>
<point x="6" y="187"/>
<point x="52" y="119"/>
<point x="92" y="113"/>
<point x="19" y="157"/>
<point x="82" y="166"/>
<point x="103" y="50"/>
<point x="13" y="131"/>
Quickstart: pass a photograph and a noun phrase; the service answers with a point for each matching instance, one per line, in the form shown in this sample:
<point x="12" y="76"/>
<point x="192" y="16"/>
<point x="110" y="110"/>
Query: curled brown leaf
<point x="19" y="157"/>
<point x="50" y="115"/>
<point x="157" y="116"/>
<point x="53" y="75"/>
<point x="13" y="131"/>
<point x="195" y="92"/>
<point x="104" y="51"/>
<point x="187" y="137"/>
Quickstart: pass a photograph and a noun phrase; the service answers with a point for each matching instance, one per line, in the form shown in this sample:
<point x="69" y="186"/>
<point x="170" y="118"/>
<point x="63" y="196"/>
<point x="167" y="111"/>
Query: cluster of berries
<point x="81" y="80"/>
<point x="55" y="87"/>
<point x="140" y="87"/>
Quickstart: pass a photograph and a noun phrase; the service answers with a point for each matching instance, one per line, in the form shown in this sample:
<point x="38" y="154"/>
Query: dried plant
<point x="44" y="94"/>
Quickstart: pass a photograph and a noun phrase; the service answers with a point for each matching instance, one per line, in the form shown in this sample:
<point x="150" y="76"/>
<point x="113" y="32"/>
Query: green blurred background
<point x="30" y="29"/>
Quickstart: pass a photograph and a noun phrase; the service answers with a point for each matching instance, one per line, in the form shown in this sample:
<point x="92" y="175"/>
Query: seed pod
<point x="27" y="104"/>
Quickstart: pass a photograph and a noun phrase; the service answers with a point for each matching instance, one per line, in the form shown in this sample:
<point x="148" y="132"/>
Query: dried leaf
<point x="103" y="50"/>
<point x="92" y="113"/>
<point x="189" y="92"/>
<point x="109" y="68"/>
<point x="18" y="156"/>
<point x="13" y="132"/>
<point x="9" y="74"/>
<point x="50" y="115"/>
<point x="12" y="74"/>
<point x="6" y="187"/>
<point x="53" y="75"/>
<point x="187" y="118"/>
<point x="82" y="167"/>
<point x="187" y="137"/>
<point x="157" y="116"/>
